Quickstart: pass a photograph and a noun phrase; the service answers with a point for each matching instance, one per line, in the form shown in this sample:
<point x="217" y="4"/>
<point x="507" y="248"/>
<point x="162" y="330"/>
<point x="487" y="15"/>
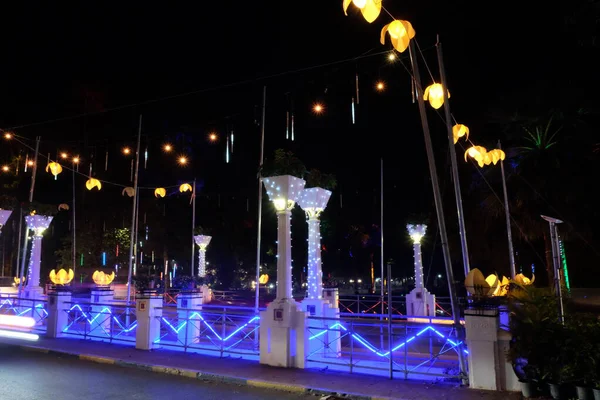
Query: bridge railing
<point x="373" y="304"/>
<point x="404" y="347"/>
<point x="213" y="330"/>
<point x="25" y="307"/>
<point x="103" y="322"/>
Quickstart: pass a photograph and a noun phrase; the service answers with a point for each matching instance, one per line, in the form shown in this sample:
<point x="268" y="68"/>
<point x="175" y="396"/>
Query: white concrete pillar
<point x="419" y="302"/>
<point x="284" y="255"/>
<point x="482" y="342"/>
<point x="59" y="303"/>
<point x="101" y="299"/>
<point x="189" y="306"/>
<point x="37" y="223"/>
<point x="202" y="241"/>
<point x="148" y="313"/>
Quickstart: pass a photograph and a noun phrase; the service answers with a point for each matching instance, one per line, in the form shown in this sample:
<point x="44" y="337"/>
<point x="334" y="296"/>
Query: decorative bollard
<point x="148" y="311"/>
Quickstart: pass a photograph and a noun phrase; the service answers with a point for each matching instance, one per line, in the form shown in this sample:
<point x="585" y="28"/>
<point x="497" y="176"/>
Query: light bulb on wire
<point x="213" y="137"/>
<point x="63" y="155"/>
<point x="76" y="160"/>
<point x="167" y="148"/>
<point x="182" y="160"/>
<point x="391" y="56"/>
<point x="30" y="163"/>
<point x="8" y="135"/>
<point x="380" y="86"/>
<point x="5" y="168"/>
<point x="318" y="108"/>
<point x="126" y="150"/>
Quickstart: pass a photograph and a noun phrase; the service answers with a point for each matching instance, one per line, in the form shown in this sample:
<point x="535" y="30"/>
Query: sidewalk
<point x="251" y="373"/>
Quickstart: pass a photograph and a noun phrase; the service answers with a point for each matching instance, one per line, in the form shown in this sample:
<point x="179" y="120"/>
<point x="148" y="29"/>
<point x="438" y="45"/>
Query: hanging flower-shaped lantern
<point x="186" y="187"/>
<point x="17" y="280"/>
<point x="496" y="155"/>
<point x="370" y="9"/>
<point x="129" y="191"/>
<point x="434" y="93"/>
<point x="400" y="34"/>
<point x="63" y="206"/>
<point x="460" y="130"/>
<point x="494" y="281"/>
<point x="263" y="279"/>
<point x="54" y="168"/>
<point x="160" y="192"/>
<point x="93" y="183"/>
<point x="477" y="153"/>
<point x="102" y="279"/>
<point x="62" y="277"/>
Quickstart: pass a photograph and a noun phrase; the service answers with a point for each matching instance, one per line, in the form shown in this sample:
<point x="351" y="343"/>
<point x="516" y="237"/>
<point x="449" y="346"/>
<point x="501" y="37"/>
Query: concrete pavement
<point x="250" y="373"/>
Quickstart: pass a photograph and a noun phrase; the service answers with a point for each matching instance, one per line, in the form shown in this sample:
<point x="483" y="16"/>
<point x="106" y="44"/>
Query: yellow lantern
<point x="503" y="289"/>
<point x="160" y="192"/>
<point x="93" y="183"/>
<point x="435" y="94"/>
<point x="17" y="280"/>
<point x="400" y="34"/>
<point x="496" y="155"/>
<point x="370" y="9"/>
<point x="54" y="168"/>
<point x="186" y="187"/>
<point x="476" y="284"/>
<point x="478" y="153"/>
<point x="460" y="130"/>
<point x="63" y="207"/>
<point x="494" y="281"/>
<point x="102" y="279"/>
<point x="263" y="279"/>
<point x="129" y="191"/>
<point x="61" y="277"/>
<point x="523" y="280"/>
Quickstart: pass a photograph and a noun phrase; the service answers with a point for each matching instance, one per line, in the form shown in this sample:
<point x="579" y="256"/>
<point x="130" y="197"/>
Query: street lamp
<point x="419" y="301"/>
<point x="556" y="263"/>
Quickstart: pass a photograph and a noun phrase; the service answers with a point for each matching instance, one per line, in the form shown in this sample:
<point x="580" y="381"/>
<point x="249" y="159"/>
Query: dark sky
<point x="61" y="61"/>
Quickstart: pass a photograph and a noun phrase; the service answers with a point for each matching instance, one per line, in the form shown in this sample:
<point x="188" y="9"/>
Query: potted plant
<point x="184" y="283"/>
<point x="283" y="163"/>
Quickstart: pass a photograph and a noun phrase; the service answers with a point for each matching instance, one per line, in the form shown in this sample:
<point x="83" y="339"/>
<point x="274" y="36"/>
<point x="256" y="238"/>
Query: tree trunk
<point x="549" y="262"/>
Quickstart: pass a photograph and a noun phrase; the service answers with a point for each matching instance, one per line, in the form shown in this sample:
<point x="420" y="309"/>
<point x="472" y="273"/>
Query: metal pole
<point x="381" y="261"/>
<point x="31" y="190"/>
<point x="390" y="344"/>
<point x="437" y="196"/>
<point x="193" y="224"/>
<point x="511" y="252"/>
<point x="74" y="244"/>
<point x="556" y="262"/>
<point x="134" y="211"/>
<point x="258" y="237"/>
<point x="19" y="272"/>
<point x="455" y="177"/>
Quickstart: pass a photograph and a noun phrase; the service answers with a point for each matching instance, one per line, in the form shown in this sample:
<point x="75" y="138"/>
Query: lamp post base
<point x="324" y="330"/>
<point x="420" y="303"/>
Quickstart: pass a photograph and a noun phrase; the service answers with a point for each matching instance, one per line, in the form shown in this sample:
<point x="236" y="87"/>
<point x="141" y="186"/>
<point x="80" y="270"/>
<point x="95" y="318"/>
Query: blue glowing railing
<point x="222" y="330"/>
<point x="24" y="307"/>
<point x="114" y="323"/>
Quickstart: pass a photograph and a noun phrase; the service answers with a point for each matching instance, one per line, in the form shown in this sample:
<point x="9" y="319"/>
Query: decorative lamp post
<point x="202" y="241"/>
<point x="313" y="201"/>
<point x="283" y="341"/>
<point x="38" y="224"/>
<point x="419" y="302"/>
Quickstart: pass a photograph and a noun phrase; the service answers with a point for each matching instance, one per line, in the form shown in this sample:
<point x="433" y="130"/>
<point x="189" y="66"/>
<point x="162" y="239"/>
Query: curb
<point x="204" y="376"/>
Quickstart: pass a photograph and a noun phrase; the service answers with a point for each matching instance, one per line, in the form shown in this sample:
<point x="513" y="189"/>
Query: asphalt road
<point x="37" y="376"/>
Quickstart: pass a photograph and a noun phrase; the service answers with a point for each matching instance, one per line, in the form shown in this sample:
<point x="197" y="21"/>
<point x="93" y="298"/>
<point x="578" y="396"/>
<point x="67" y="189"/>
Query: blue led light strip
<point x="24" y="311"/>
<point x="373" y="349"/>
<point x="103" y="311"/>
<point x="198" y="316"/>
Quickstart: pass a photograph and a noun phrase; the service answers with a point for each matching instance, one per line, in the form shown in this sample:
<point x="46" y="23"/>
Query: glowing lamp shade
<point x="523" y="280"/>
<point x="435" y="95"/>
<point x="62" y="277"/>
<point x="400" y="34"/>
<point x="263" y="279"/>
<point x="477" y="153"/>
<point x="283" y="190"/>
<point x="460" y="130"/>
<point x="186" y="187"/>
<point x="370" y="9"/>
<point x="17" y="280"/>
<point x="314" y="200"/>
<point x="496" y="155"/>
<point x="102" y="279"/>
<point x="202" y="241"/>
<point x="129" y="191"/>
<point x="63" y="207"/>
<point x="416" y="232"/>
<point x="93" y="183"/>
<point x="495" y="284"/>
<point x="4" y="215"/>
<point x="160" y="192"/>
<point x="54" y="168"/>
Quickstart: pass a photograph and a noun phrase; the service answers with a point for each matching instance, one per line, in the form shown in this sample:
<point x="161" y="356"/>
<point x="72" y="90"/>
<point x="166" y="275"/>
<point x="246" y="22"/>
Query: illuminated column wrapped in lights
<point x="419" y="302"/>
<point x="284" y="191"/>
<point x="416" y="233"/>
<point x="313" y="201"/>
<point x="202" y="241"/>
<point x="38" y="224"/>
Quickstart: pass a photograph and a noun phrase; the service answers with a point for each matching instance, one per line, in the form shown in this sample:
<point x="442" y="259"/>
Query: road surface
<point x="37" y="376"/>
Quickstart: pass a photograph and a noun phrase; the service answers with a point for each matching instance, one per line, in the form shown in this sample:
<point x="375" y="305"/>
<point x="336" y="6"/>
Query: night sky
<point x="80" y="75"/>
